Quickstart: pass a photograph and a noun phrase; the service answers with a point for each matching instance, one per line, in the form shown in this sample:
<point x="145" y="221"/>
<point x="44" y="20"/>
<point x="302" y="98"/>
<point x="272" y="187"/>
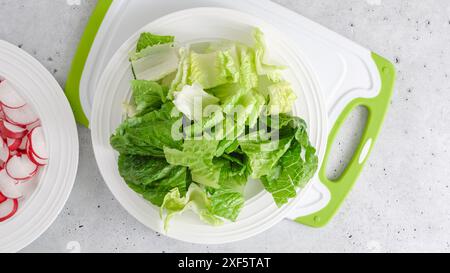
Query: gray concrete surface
<point x="400" y="203"/>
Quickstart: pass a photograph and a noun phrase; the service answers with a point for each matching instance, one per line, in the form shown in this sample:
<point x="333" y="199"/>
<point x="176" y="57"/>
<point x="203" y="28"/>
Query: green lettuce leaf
<point x="148" y="96"/>
<point x="192" y="100"/>
<point x="247" y="70"/>
<point x="296" y="167"/>
<point x="228" y="200"/>
<point x="148" y="39"/>
<point x="262" y="67"/>
<point x="147" y="135"/>
<point x="182" y="76"/>
<point x="154" y="62"/>
<point x="198" y="155"/>
<point x="152" y="177"/>
<point x="281" y="98"/>
<point x="196" y="200"/>
<point x="213" y="69"/>
<point x="263" y="156"/>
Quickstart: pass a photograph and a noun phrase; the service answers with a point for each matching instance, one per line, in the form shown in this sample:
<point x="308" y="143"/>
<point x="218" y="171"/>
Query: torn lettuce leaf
<point x="198" y="155"/>
<point x="264" y="155"/>
<point x="147" y="39"/>
<point x="296" y="167"/>
<point x="228" y="200"/>
<point x="182" y="76"/>
<point x="192" y="101"/>
<point x="273" y="72"/>
<point x="154" y="62"/>
<point x="147" y="135"/>
<point x="213" y="69"/>
<point x="248" y="73"/>
<point x="148" y="96"/>
<point x="152" y="177"/>
<point x="281" y="98"/>
<point x="195" y="200"/>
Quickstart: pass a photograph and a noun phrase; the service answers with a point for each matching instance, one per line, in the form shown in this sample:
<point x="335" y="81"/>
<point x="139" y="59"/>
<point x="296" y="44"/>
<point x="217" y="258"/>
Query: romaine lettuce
<point x="182" y="155"/>
<point x="147" y="39"/>
<point x="147" y="135"/>
<point x="154" y="62"/>
<point x="148" y="96"/>
<point x="195" y="200"/>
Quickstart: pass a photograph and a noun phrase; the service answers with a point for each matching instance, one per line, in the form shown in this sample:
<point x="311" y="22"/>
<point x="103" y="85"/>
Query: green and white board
<point x="349" y="76"/>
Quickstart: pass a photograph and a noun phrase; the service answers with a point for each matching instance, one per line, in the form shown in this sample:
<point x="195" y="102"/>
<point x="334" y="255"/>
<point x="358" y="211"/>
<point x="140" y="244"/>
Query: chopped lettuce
<point x="198" y="155"/>
<point x="227" y="201"/>
<point x="182" y="76"/>
<point x="196" y="200"/>
<point x="147" y="135"/>
<point x="152" y="177"/>
<point x="263" y="156"/>
<point x="262" y="66"/>
<point x="213" y="69"/>
<point x="192" y="100"/>
<point x="281" y="97"/>
<point x="247" y="71"/>
<point x="296" y="167"/>
<point x="147" y="39"/>
<point x="148" y="96"/>
<point x="155" y="62"/>
<point x="204" y="118"/>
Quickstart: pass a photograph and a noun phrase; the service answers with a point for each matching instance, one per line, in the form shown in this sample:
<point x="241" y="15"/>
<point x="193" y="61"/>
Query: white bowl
<point x="40" y="207"/>
<point x="193" y="25"/>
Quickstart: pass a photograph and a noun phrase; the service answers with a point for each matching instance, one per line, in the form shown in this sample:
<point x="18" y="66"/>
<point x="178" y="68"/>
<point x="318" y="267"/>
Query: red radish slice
<point x="33" y="125"/>
<point x="4" y="151"/>
<point x="14" y="144"/>
<point x="36" y="160"/>
<point x="9" y="187"/>
<point x="9" y="97"/>
<point x="37" y="143"/>
<point x="8" y="130"/>
<point x="22" y="116"/>
<point x="14" y="205"/>
<point x="2" y="198"/>
<point x="21" y="167"/>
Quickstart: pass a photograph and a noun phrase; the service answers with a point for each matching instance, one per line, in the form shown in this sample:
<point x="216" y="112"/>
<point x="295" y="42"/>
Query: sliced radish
<point x="10" y="206"/>
<point x="4" y="152"/>
<point x="14" y="144"/>
<point x="20" y="167"/>
<point x="2" y="198"/>
<point x="8" y="130"/>
<point x="37" y="143"/>
<point x="9" y="97"/>
<point x="9" y="187"/>
<point x="22" y="116"/>
<point x="36" y="160"/>
<point x="33" y="125"/>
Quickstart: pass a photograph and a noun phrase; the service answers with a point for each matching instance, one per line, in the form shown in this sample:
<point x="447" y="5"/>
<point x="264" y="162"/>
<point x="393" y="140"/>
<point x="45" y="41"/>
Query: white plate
<point x="260" y="212"/>
<point x="40" y="208"/>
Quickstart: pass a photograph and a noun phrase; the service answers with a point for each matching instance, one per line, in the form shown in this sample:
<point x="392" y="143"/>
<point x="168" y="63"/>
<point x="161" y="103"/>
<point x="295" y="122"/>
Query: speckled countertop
<point x="400" y="203"/>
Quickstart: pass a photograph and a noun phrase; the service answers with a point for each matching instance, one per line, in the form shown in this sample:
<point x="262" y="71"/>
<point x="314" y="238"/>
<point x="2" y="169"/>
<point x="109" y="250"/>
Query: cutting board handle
<point x="72" y="88"/>
<point x="377" y="109"/>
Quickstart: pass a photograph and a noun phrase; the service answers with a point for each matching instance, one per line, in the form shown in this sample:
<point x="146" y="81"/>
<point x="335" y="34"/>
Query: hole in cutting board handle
<point x="346" y="142"/>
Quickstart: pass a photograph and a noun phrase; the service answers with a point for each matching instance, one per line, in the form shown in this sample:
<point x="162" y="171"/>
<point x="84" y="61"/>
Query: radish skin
<point x="20" y="167"/>
<point x="9" y="97"/>
<point x="13" y="210"/>
<point x="9" y="187"/>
